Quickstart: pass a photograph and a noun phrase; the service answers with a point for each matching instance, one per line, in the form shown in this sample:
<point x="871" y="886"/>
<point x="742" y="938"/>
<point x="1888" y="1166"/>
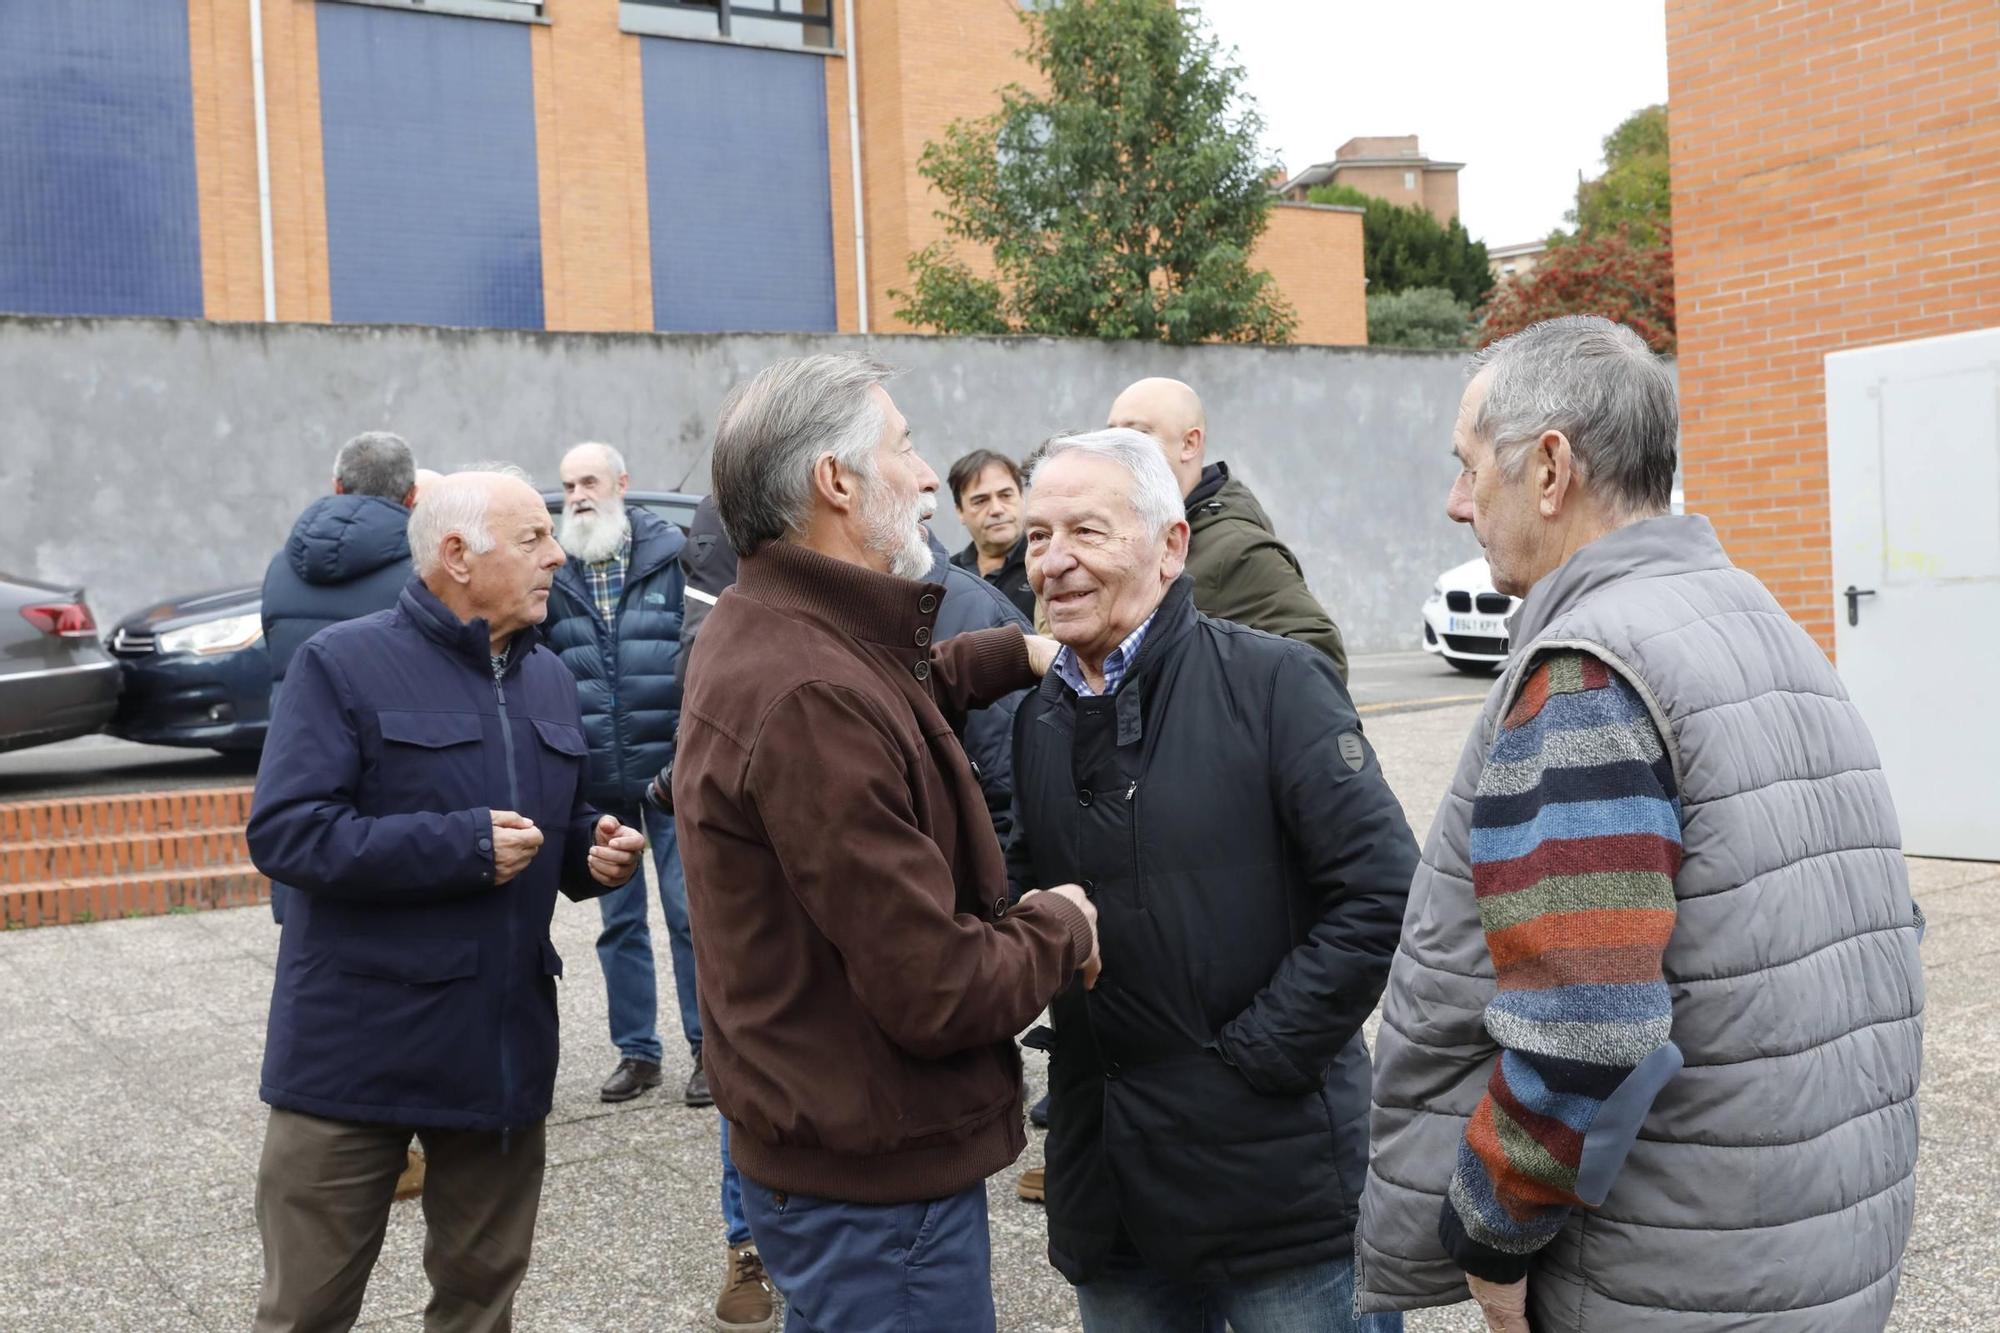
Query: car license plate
<point x="1487" y="627"/>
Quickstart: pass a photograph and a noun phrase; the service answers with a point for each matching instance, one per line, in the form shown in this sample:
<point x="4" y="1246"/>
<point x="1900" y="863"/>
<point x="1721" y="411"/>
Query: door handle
<point x="1854" y="596"/>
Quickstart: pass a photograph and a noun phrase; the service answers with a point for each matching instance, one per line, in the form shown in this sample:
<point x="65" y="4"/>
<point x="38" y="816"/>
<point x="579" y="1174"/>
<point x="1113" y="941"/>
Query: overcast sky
<point x="1521" y="91"/>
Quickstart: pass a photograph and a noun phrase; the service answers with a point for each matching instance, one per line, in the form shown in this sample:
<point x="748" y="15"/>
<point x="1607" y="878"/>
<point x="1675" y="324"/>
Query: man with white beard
<point x="862" y="976"/>
<point x="615" y="620"/>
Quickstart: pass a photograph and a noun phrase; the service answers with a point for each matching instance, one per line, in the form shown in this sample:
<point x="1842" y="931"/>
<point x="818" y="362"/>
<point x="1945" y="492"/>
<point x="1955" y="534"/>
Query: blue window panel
<point x="736" y="172"/>
<point x="98" y="209"/>
<point x="433" y="214"/>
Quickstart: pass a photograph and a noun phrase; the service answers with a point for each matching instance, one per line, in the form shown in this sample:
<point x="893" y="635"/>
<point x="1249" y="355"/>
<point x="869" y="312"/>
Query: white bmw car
<point x="1465" y="620"/>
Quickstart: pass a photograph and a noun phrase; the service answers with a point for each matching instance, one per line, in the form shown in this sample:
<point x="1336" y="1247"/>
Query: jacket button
<point x="922" y="671"/>
<point x="1089" y="886"/>
<point x="999" y="908"/>
<point x="486" y="844"/>
<point x="1084" y="797"/>
<point x="923" y="635"/>
<point x="927" y="603"/>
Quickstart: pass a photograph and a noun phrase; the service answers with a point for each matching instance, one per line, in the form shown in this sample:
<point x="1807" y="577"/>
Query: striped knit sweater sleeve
<point x="1576" y="839"/>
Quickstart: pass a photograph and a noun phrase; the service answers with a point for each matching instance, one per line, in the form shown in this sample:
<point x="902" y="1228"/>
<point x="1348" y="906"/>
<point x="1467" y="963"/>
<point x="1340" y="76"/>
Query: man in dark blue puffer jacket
<point x="348" y="556"/>
<point x="615" y="620"/>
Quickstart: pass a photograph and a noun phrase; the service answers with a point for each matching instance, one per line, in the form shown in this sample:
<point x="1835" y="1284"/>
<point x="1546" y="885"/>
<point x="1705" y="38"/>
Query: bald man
<point x="1242" y="572"/>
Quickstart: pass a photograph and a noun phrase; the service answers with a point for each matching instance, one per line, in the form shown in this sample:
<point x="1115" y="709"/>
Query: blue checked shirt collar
<point x="1116" y="663"/>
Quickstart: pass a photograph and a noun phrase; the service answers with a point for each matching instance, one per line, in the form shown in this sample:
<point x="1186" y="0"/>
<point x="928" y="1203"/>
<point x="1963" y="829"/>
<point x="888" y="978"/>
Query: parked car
<point x="1465" y="620"/>
<point x="196" y="670"/>
<point x="55" y="681"/>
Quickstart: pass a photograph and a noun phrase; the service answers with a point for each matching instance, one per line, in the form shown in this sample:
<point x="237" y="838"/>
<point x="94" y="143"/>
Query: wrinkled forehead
<point x="1071" y="484"/>
<point x="587" y="461"/>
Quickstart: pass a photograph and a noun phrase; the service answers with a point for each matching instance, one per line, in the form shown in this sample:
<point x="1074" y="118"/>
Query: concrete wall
<point x="149" y="459"/>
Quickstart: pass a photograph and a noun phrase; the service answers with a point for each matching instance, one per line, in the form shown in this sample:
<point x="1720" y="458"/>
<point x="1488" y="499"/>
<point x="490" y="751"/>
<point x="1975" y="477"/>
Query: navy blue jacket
<point x="971" y="602"/>
<point x="625" y="677"/>
<point x="410" y="990"/>
<point x="348" y="556"/>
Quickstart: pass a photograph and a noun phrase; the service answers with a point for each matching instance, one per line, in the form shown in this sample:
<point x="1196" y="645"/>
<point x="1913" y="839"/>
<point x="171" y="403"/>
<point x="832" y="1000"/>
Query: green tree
<point x="1418" y="317"/>
<point x="1635" y="190"/>
<point x="1121" y="203"/>
<point x="1404" y="247"/>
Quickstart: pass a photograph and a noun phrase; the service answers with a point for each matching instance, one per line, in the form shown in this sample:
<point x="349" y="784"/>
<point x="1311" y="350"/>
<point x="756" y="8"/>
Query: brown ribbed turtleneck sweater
<point x="861" y="977"/>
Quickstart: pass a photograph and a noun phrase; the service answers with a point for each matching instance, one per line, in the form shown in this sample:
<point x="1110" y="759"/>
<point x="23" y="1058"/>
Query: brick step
<point x="114" y="897"/>
<point x="124" y="813"/>
<point x="48" y="859"/>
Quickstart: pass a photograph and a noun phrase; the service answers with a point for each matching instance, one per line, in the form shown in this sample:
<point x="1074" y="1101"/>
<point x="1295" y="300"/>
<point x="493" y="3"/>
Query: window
<point x="760" y="22"/>
<point x="1506" y="270"/>
<point x="525" y="11"/>
<point x="1409" y="180"/>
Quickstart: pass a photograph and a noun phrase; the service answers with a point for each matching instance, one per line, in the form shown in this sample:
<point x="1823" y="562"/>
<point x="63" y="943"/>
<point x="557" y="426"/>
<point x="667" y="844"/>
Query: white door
<point x="1913" y="466"/>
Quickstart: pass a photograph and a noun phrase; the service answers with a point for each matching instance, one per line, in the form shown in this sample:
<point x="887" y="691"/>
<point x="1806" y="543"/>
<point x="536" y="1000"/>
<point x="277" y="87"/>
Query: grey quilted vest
<point x="1771" y="1186"/>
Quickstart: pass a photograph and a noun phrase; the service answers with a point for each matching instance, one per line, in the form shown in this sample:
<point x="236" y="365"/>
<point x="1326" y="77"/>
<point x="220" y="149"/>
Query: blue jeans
<point x="1318" y="1298"/>
<point x="732" y="1195"/>
<point x="625" y="949"/>
<point x="875" y="1268"/>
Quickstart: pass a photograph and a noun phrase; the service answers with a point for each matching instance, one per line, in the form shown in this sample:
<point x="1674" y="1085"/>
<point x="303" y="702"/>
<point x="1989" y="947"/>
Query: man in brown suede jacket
<point x="861" y="974"/>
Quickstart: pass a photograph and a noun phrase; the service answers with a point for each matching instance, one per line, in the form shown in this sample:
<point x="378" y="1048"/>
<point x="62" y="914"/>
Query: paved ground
<point x="90" y="765"/>
<point x="128" y="1108"/>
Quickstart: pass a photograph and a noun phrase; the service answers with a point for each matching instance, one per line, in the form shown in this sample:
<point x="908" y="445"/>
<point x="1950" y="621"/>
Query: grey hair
<point x="455" y="502"/>
<point x="774" y="429"/>
<point x="376" y="463"/>
<point x="612" y="457"/>
<point x="1155" y="495"/>
<point x="1600" y="385"/>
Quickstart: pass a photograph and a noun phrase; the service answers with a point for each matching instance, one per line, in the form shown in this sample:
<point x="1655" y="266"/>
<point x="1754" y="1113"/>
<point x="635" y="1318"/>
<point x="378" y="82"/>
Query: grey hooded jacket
<point x="1771" y="1182"/>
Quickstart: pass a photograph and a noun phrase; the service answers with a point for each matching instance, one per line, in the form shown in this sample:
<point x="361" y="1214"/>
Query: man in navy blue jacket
<point x="422" y="791"/>
<point x="615" y="620"/>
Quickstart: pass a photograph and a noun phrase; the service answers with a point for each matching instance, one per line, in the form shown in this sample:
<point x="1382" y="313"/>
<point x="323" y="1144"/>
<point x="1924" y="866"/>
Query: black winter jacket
<point x="1249" y="865"/>
<point x="348" y="556"/>
<point x="625" y="674"/>
<point x="970" y="602"/>
<point x="1011" y="579"/>
<point x="410" y="990"/>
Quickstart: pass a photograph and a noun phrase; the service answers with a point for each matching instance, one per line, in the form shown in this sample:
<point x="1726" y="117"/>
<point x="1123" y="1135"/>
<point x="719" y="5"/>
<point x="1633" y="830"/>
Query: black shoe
<point x="696" y="1093"/>
<point x="631" y="1078"/>
<point x="1038" y="1114"/>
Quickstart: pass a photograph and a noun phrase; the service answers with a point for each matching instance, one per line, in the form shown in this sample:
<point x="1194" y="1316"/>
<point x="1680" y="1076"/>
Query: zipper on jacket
<point x="514" y="800"/>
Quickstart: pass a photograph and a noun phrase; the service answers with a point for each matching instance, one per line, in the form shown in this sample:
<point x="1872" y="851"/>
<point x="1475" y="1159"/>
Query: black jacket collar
<point x="1172" y="620"/>
<point x="1213" y="478"/>
<point x="471" y="640"/>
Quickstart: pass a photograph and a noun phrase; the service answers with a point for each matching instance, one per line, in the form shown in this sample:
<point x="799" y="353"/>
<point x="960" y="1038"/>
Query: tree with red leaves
<point x="1607" y="273"/>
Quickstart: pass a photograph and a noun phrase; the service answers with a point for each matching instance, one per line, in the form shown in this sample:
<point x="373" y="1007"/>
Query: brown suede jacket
<point x="861" y="975"/>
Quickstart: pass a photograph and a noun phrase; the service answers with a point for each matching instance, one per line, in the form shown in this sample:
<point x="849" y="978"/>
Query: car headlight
<point x="226" y="635"/>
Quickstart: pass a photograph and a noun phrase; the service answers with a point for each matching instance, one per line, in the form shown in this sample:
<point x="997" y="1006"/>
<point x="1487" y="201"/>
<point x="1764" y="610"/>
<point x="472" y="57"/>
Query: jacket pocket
<point x="562" y="738"/>
<point x="428" y="730"/>
<point x="428" y="761"/>
<point x="421" y="1029"/>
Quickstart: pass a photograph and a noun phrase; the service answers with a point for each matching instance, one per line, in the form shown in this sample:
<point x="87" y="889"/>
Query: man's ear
<point x="454" y="559"/>
<point x="624" y="480"/>
<point x="840" y="487"/>
<point x="1191" y="443"/>
<point x="338" y="489"/>
<point x="1177" y="549"/>
<point x="410" y="497"/>
<point x="1555" y="469"/>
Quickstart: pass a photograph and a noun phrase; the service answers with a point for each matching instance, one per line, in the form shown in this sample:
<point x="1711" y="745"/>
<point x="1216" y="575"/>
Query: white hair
<point x="456" y="502"/>
<point x="613" y="460"/>
<point x="1155" y="495"/>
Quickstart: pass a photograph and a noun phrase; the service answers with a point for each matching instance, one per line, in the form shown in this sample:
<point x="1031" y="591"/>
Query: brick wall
<point x="1314" y="253"/>
<point x="1836" y="184"/>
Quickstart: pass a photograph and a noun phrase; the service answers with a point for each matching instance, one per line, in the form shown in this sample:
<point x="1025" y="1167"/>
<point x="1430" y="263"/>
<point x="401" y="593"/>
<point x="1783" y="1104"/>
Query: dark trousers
<point x="873" y="1268"/>
<point x="323" y="1193"/>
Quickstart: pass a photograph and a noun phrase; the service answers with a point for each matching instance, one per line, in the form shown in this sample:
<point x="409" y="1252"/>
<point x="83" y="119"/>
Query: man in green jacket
<point x="1242" y="572"/>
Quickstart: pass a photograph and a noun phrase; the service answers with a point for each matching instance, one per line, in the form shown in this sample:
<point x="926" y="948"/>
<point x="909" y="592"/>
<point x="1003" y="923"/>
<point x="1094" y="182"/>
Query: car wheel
<point x="1471" y="668"/>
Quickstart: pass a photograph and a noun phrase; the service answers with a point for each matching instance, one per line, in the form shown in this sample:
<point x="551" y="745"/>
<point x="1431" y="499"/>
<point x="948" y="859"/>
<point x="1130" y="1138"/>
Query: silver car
<point x="56" y="681"/>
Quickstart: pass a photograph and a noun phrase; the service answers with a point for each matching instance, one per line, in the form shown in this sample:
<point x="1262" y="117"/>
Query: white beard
<point x="596" y="534"/>
<point x="895" y="529"/>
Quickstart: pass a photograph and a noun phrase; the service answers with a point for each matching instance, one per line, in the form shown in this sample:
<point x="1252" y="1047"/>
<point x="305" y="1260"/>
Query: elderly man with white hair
<point x="422" y="791"/>
<point x="1649" y="1054"/>
<point x="1209" y="786"/>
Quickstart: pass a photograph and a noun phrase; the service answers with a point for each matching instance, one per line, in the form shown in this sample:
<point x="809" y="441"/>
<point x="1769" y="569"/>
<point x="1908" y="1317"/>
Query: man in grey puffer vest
<point x="1650" y="1047"/>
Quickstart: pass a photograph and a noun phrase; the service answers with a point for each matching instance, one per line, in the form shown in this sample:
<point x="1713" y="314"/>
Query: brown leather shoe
<point x="411" y="1183"/>
<point x="747" y="1303"/>
<point x="1033" y="1186"/>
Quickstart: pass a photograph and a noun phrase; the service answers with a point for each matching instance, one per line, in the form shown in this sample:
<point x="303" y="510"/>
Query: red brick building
<point x="1836" y="172"/>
